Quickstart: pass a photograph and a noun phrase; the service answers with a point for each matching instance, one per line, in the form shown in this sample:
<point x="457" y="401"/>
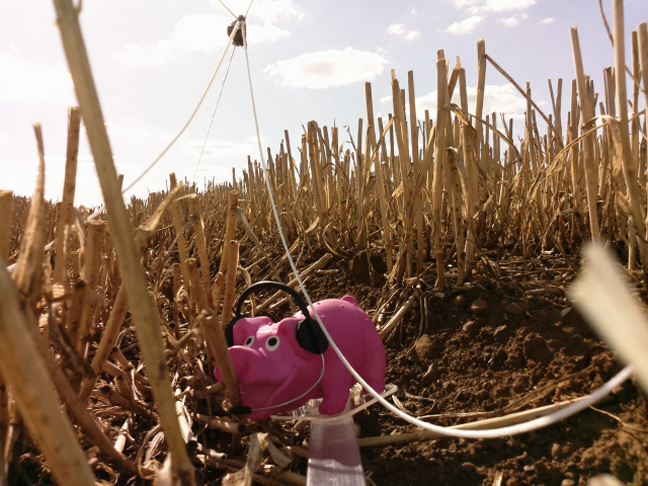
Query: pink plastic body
<point x="273" y="369"/>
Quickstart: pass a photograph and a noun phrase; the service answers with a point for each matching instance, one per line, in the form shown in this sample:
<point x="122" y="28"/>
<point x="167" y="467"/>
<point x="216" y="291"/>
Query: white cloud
<point x="396" y="29"/>
<point x="137" y="54"/>
<point x="272" y="11"/>
<point x="401" y="31"/>
<point x="497" y="98"/>
<point x="216" y="150"/>
<point x="207" y="32"/>
<point x="200" y="32"/>
<point x="509" y="21"/>
<point x="268" y="11"/>
<point x="137" y="142"/>
<point x="26" y="81"/>
<point x="466" y="25"/>
<point x="218" y="158"/>
<point x="548" y="20"/>
<point x="87" y="192"/>
<point x="508" y="5"/>
<point x="324" y="69"/>
<point x="484" y="6"/>
<point x="513" y="20"/>
<point x="4" y="138"/>
<point x="265" y="33"/>
<point x="136" y="129"/>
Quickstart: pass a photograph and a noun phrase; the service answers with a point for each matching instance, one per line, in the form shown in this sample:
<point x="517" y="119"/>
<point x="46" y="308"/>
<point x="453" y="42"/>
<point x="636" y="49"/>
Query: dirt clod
<point x="479" y="306"/>
<point x="430" y="375"/>
<point x="424" y="348"/>
<point x="515" y="309"/>
<point x="470" y="327"/>
<point x="460" y="301"/>
<point x="501" y="333"/>
<point x="368" y="268"/>
<point x="536" y="348"/>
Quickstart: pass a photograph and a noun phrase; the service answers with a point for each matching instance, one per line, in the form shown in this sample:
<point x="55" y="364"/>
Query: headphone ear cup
<point x="311" y="338"/>
<point x="229" y="331"/>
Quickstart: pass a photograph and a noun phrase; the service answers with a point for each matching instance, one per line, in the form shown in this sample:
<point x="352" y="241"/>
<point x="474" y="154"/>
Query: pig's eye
<point x="272" y="343"/>
<point x="249" y="341"/>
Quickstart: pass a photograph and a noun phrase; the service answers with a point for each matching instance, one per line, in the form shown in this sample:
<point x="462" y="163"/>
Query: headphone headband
<point x="308" y="335"/>
<point x="268" y="284"/>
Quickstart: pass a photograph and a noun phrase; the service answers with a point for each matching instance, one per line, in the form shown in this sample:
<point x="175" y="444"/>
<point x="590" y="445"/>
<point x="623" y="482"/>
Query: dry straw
<point x="459" y="182"/>
<point x="413" y="197"/>
<point x="21" y="364"/>
<point x="142" y="306"/>
<point x="67" y="205"/>
<point x="6" y="207"/>
<point x="606" y="300"/>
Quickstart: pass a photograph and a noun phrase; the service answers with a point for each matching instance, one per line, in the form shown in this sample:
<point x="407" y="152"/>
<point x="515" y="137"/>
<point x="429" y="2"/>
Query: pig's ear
<point x="310" y="336"/>
<point x="306" y="332"/>
<point x="239" y="329"/>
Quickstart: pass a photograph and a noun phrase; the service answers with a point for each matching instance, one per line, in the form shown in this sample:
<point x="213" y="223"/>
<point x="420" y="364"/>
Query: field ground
<point x="527" y="348"/>
<point x="506" y="341"/>
<point x="475" y="234"/>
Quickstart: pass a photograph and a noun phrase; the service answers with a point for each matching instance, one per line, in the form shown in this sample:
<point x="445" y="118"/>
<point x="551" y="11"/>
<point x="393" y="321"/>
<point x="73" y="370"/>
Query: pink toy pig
<point x="282" y="365"/>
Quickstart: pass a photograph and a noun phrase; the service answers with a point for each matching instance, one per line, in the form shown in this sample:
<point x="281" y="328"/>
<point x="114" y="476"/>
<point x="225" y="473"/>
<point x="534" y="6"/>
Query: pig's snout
<point x="251" y="367"/>
<point x="241" y="358"/>
<point x="241" y="362"/>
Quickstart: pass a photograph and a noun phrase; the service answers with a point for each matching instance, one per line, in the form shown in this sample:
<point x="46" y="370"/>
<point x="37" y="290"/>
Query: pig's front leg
<point x="335" y="400"/>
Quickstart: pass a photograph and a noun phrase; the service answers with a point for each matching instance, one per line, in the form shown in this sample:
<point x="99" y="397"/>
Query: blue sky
<point x="152" y="60"/>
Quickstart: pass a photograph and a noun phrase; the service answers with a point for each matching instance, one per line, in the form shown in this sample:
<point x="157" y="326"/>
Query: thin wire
<point x="300" y="396"/>
<point x="227" y="8"/>
<point x="101" y="208"/>
<point x="310" y="417"/>
<point x="247" y="12"/>
<point x="200" y="102"/>
<point x="615" y="381"/>
<point x="211" y="122"/>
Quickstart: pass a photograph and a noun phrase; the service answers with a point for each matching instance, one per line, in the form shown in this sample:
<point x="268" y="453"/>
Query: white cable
<point x="200" y="102"/>
<point x="211" y="122"/>
<point x="316" y="417"/>
<point x="246" y="14"/>
<point x="101" y="208"/>
<point x="227" y="8"/>
<point x="293" y="400"/>
<point x="445" y="431"/>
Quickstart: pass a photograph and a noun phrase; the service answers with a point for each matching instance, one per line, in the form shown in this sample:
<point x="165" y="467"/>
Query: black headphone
<point x="309" y="335"/>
